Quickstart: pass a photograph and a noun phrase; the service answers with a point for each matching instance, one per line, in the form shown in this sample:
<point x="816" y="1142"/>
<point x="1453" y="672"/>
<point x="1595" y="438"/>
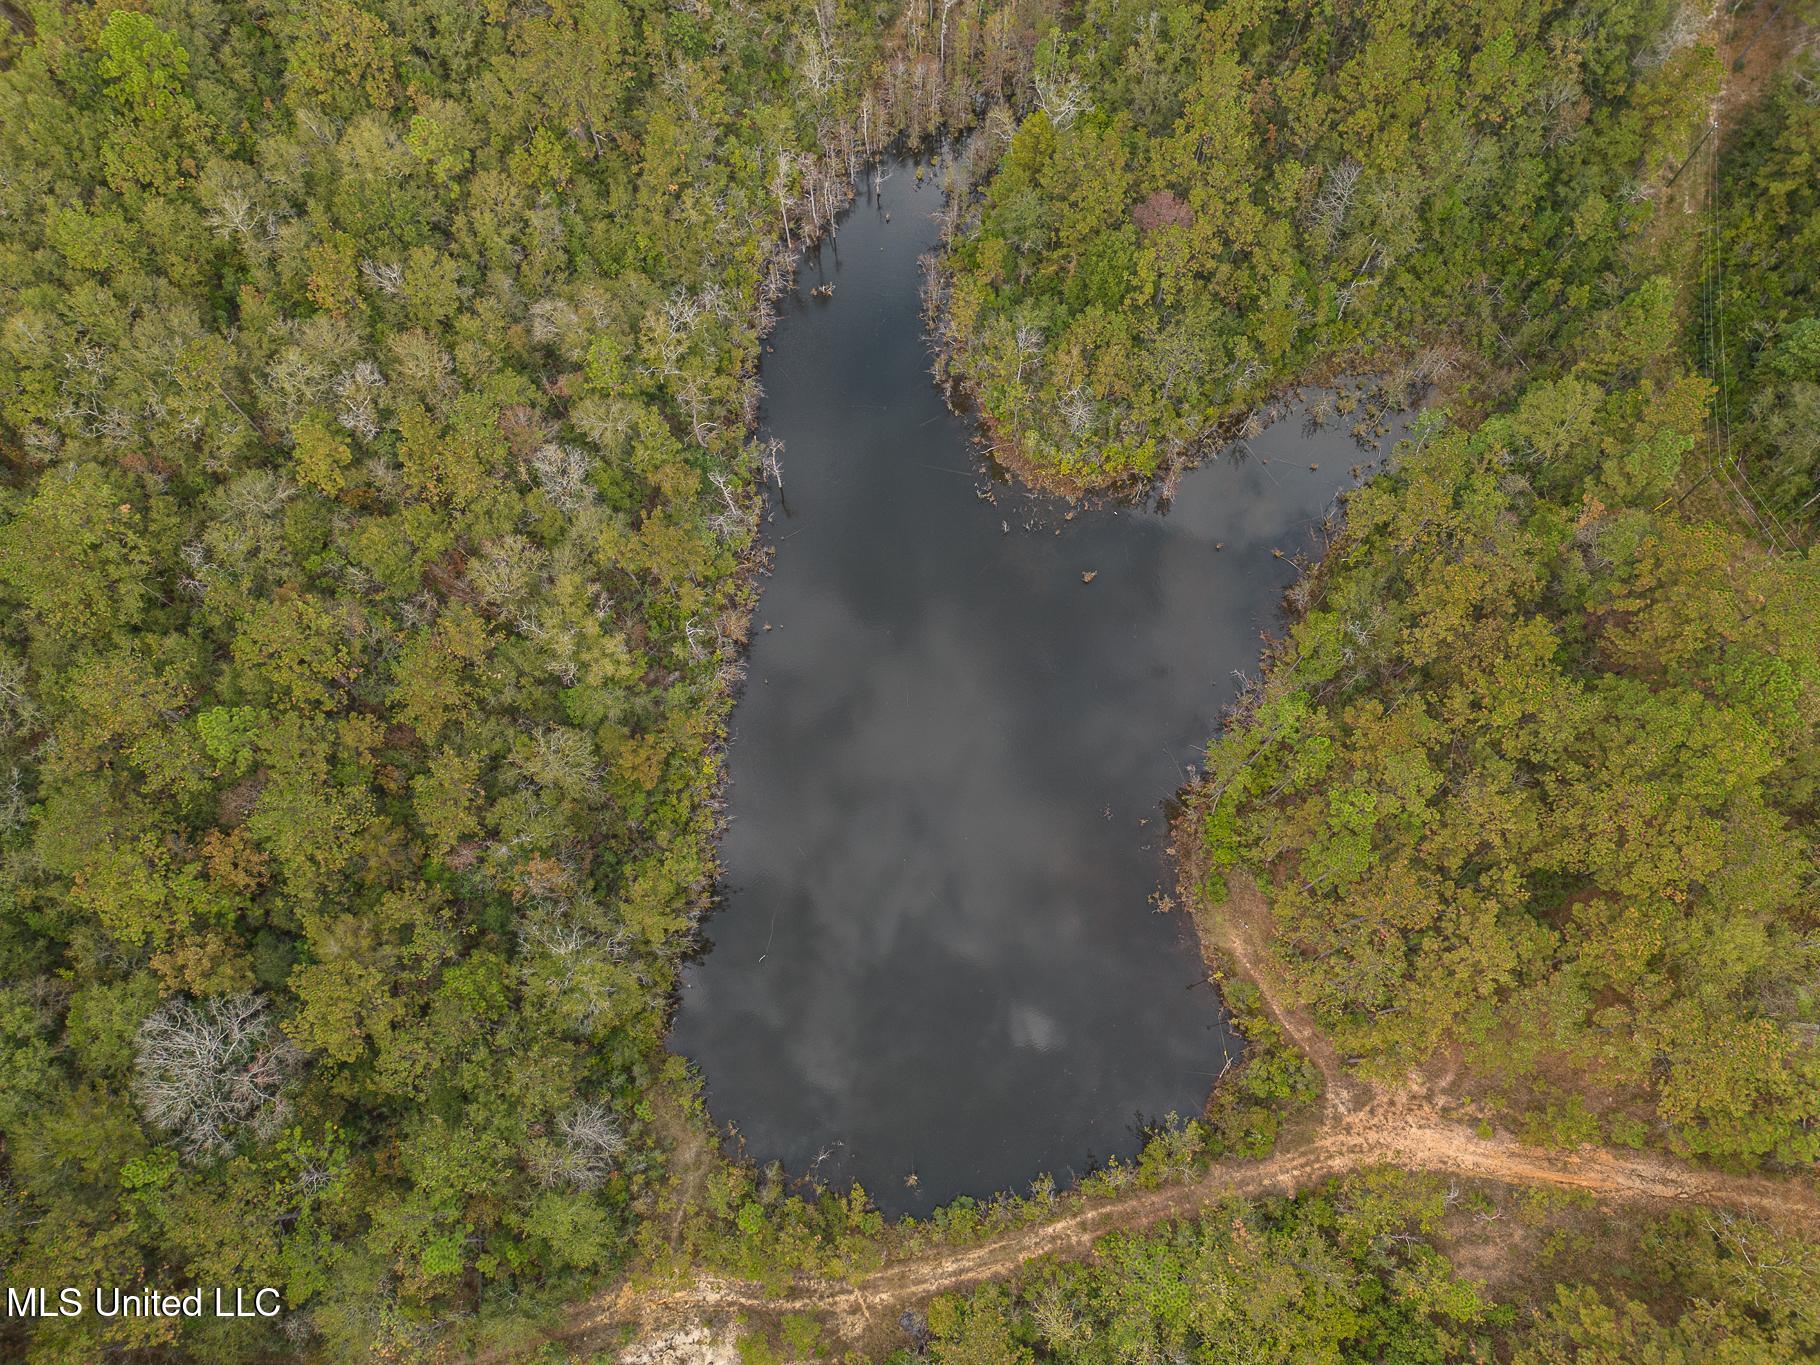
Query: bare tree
<point x="591" y="1144"/>
<point x="1563" y="107"/>
<point x="1327" y="215"/>
<point x="233" y="214"/>
<point x="780" y="186"/>
<point x="387" y="277"/>
<point x="941" y="47"/>
<point x="359" y="389"/>
<point x="506" y="570"/>
<point x="1689" y="23"/>
<point x="736" y="515"/>
<point x="562" y="473"/>
<point x="13" y="805"/>
<point x="1061" y="96"/>
<point x="668" y="332"/>
<point x="822" y="64"/>
<point x="206" y="1069"/>
<point x="1028" y="340"/>
<point x="594" y="1136"/>
<point x="914" y="21"/>
<point x="697" y="402"/>
<point x="569" y="962"/>
<point x="559" y="759"/>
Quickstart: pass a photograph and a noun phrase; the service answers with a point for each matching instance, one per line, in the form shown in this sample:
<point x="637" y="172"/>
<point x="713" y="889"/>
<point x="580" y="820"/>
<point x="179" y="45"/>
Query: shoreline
<point x="781" y="272"/>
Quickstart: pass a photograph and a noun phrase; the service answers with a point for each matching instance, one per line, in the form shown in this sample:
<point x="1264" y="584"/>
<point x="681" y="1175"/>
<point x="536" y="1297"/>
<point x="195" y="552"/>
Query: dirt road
<point x="1361" y="1126"/>
<point x="1386" y="1131"/>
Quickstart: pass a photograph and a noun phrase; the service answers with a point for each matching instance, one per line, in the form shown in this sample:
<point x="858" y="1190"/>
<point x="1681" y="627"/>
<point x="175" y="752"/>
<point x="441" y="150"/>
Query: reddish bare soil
<point x="1361" y="1126"/>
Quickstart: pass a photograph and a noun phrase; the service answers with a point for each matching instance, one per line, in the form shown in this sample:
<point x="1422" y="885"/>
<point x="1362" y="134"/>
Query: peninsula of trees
<point x="376" y="494"/>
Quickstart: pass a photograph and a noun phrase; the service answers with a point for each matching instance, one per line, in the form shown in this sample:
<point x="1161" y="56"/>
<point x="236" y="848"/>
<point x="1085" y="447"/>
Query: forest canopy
<point x="1364" y="1269"/>
<point x="375" y="495"/>
<point x="1533" y="775"/>
<point x="1209" y="201"/>
<point x="374" y="383"/>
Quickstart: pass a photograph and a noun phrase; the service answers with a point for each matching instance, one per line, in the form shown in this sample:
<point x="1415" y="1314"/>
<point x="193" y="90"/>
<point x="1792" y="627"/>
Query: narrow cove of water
<point x="936" y="968"/>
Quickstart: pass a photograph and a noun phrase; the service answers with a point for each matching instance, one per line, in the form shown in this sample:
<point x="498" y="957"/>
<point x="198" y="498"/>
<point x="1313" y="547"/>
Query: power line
<point x="1730" y="466"/>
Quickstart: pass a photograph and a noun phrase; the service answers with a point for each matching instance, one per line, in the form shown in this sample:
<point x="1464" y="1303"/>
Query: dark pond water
<point x="936" y="952"/>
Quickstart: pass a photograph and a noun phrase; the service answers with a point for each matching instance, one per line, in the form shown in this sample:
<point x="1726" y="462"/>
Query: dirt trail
<point x="1388" y="1130"/>
<point x="1241" y="931"/>
<point x="1361" y="1126"/>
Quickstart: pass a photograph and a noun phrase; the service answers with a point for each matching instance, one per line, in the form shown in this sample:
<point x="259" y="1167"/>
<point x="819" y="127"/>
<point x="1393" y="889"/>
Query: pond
<point x="937" y="968"/>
